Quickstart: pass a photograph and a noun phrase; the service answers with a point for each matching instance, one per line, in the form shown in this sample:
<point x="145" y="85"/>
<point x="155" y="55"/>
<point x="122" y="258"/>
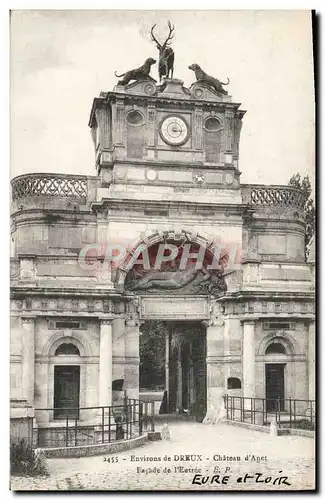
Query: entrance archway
<point x="173" y="365"/>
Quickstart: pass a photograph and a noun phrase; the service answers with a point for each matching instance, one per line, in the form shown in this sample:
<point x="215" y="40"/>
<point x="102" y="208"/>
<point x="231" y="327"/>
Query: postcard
<point x="162" y="250"/>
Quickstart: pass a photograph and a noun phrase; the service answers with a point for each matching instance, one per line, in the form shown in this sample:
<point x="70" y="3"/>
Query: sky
<point x="61" y="60"/>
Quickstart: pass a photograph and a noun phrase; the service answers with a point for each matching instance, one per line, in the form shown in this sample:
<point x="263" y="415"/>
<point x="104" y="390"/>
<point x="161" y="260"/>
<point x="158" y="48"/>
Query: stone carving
<point x="166" y="54"/>
<point x="137" y="74"/>
<point x="213" y="284"/>
<point x="189" y="280"/>
<point x="166" y="279"/>
<point x="165" y="434"/>
<point x="209" y="80"/>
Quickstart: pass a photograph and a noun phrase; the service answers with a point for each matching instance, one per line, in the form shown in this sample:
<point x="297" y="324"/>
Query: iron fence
<point x="290" y="413"/>
<point x="90" y="425"/>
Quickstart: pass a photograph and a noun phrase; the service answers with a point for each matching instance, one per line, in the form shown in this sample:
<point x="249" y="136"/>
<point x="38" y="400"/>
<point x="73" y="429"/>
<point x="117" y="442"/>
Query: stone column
<point x="118" y="347"/>
<point x="311" y="361"/>
<point x="28" y="358"/>
<point x="105" y="363"/>
<point x="249" y="360"/>
<point x="179" y="392"/>
<point x="132" y="358"/>
<point x="215" y="369"/>
<point x="167" y="363"/>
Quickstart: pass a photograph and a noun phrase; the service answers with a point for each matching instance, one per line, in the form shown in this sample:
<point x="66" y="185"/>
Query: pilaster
<point x="132" y="358"/>
<point x="28" y="358"/>
<point x="118" y="347"/>
<point x="311" y="361"/>
<point x="249" y="359"/>
<point x="215" y="368"/>
<point x="151" y="125"/>
<point x="103" y="127"/>
<point x="105" y="362"/>
<point x="198" y="128"/>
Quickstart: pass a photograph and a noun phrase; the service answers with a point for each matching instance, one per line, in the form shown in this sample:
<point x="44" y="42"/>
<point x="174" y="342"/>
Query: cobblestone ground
<point x="137" y="470"/>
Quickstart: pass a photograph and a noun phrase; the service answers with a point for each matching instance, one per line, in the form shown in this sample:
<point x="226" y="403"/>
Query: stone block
<point x="272" y="244"/>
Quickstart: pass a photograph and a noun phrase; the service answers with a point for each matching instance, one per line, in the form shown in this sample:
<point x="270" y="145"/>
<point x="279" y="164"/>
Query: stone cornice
<point x="231" y="208"/>
<point x="177" y="164"/>
<point x="251" y="318"/>
<point x="17" y="292"/>
<point x="112" y="97"/>
<point x="272" y="295"/>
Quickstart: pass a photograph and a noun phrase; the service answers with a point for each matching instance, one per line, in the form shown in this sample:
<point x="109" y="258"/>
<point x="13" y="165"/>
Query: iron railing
<point x="290" y="413"/>
<point x="91" y="425"/>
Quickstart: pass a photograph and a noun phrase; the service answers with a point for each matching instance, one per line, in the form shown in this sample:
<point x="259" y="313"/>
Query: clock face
<point x="174" y="130"/>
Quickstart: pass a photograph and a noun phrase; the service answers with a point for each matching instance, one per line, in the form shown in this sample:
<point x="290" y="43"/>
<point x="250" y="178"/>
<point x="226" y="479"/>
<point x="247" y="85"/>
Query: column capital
<point x="213" y="322"/>
<point x="28" y="319"/>
<point x="249" y="321"/>
<point x="106" y="321"/>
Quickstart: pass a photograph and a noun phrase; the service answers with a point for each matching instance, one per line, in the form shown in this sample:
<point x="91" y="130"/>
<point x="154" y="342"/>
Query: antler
<point x="171" y="34"/>
<point x="154" y="39"/>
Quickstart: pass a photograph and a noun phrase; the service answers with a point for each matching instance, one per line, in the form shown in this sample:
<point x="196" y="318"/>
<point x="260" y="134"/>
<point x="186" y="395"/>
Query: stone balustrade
<point x="280" y="196"/>
<point x="49" y="185"/>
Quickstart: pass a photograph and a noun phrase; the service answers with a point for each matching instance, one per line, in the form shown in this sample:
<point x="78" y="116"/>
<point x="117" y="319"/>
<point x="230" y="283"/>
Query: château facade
<point x="167" y="172"/>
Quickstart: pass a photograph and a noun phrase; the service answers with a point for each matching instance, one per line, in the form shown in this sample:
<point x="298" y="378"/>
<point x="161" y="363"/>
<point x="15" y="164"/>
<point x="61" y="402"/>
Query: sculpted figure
<point x="137" y="74"/>
<point x="166" y="279"/>
<point x="209" y="80"/>
<point x="166" y="54"/>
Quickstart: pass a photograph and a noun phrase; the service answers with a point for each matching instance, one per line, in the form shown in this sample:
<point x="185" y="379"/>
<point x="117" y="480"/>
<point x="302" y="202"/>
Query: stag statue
<point x="166" y="53"/>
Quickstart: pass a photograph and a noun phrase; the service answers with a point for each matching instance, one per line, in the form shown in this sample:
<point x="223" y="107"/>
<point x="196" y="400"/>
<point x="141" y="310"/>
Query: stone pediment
<point x="202" y="91"/>
<point x="173" y="88"/>
<point x="146" y="87"/>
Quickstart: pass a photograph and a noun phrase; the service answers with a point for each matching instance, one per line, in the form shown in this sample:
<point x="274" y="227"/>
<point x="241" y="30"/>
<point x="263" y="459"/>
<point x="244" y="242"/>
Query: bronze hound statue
<point x="137" y="74"/>
<point x="209" y="80"/>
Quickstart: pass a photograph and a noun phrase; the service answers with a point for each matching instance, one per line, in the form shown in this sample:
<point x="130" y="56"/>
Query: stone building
<point x="166" y="173"/>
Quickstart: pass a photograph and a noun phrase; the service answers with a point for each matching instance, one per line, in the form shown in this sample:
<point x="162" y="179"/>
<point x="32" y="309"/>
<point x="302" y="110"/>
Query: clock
<point x="174" y="130"/>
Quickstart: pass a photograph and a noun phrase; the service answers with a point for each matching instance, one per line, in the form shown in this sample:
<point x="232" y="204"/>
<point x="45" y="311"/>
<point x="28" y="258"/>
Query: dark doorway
<point x="187" y="368"/>
<point x="274" y="384"/>
<point x="183" y="374"/>
<point x="66" y="391"/>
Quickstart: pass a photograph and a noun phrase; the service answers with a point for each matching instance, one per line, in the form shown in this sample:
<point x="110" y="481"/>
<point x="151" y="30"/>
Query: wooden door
<point x="66" y="391"/>
<point x="274" y="384"/>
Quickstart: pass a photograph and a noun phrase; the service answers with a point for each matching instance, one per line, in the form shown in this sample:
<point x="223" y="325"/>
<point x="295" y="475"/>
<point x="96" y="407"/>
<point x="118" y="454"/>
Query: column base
<point x="216" y="407"/>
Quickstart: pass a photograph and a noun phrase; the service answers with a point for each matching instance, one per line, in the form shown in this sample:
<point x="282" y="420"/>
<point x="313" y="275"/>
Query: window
<point x="134" y="118"/>
<point x="275" y="348"/>
<point x="67" y="350"/>
<point x="233" y="383"/>
<point x="212" y="125"/>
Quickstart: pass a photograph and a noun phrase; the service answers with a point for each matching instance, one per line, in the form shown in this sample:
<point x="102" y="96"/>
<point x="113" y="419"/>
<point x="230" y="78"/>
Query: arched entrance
<point x="174" y="274"/>
<point x="275" y="372"/>
<point x="66" y="381"/>
<point x="173" y="365"/>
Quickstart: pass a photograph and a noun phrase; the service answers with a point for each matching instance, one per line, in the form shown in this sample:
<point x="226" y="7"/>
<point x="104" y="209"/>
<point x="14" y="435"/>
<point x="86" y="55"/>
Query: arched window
<point x="233" y="383"/>
<point x="275" y="348"/>
<point x="67" y="350"/>
<point x="212" y="124"/>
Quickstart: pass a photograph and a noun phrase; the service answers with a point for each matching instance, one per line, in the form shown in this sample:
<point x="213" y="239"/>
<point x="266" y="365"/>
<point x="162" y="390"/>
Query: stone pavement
<point x="209" y="450"/>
